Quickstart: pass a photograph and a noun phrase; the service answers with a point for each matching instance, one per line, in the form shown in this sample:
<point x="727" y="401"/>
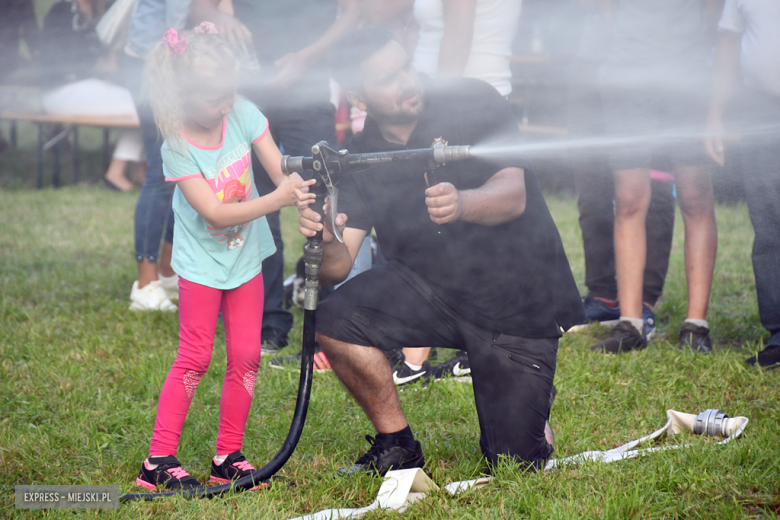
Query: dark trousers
<point x="761" y="173"/>
<point x="390" y="307"/>
<point x="595" y="198"/>
<point x="153" y="211"/>
<point x="296" y="129"/>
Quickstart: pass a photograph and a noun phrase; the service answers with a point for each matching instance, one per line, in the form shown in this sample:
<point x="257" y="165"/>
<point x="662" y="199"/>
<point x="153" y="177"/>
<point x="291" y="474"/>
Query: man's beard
<point x="400" y="116"/>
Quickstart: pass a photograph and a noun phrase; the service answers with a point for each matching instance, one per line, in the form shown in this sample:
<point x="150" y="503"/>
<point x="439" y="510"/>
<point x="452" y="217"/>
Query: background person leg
<point x="659" y="224"/>
<point x="694" y="191"/>
<point x="632" y="198"/>
<point x="761" y="172"/>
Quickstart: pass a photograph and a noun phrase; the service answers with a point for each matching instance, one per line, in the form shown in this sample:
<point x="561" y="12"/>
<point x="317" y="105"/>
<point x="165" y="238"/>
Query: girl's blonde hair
<point x="165" y="68"/>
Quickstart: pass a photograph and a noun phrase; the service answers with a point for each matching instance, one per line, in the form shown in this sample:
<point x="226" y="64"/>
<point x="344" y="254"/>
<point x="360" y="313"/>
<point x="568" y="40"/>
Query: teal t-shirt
<point x="223" y="258"/>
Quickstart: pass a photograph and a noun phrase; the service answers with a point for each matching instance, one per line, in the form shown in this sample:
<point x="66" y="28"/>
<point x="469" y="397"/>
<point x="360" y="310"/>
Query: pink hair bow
<point x="206" y="28"/>
<point x="176" y="44"/>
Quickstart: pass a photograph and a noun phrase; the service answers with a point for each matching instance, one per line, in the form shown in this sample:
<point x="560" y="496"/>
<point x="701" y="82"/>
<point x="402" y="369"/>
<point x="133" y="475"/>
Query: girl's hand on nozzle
<point x="291" y="191"/>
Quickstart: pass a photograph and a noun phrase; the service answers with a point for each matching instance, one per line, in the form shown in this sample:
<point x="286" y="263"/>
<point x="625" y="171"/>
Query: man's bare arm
<point x="293" y="64"/>
<point x="499" y="200"/>
<point x="726" y="74"/>
<point x="457" y="38"/>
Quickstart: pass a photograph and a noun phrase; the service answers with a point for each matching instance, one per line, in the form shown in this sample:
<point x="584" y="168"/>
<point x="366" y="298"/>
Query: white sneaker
<point x="152" y="297"/>
<point x="170" y="284"/>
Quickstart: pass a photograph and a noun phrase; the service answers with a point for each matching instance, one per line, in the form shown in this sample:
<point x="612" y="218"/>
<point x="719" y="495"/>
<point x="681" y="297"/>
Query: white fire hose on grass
<point x="401" y="488"/>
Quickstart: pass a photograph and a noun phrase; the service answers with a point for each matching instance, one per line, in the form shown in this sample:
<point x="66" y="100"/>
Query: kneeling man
<point x="475" y="261"/>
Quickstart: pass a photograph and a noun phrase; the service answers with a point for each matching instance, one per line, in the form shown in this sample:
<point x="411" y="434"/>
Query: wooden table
<point x="72" y="124"/>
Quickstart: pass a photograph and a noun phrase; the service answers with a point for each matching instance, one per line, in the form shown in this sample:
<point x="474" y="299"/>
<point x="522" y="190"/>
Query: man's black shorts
<point x="390" y="307"/>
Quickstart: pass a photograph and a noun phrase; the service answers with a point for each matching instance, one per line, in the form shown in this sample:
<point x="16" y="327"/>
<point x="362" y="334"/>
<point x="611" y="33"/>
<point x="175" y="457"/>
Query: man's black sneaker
<point x="696" y="338"/>
<point x="768" y="358"/>
<point x="168" y="474"/>
<point x="456" y="367"/>
<point x="233" y="468"/>
<point x="294" y="361"/>
<point x="383" y="456"/>
<point x="622" y="338"/>
<point x="274" y="341"/>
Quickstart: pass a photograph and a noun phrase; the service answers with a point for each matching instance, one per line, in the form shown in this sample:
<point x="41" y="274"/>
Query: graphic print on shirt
<point x="232" y="184"/>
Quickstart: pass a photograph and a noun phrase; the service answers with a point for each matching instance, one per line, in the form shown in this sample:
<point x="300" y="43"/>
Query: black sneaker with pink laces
<point x="233" y="468"/>
<point x="167" y="474"/>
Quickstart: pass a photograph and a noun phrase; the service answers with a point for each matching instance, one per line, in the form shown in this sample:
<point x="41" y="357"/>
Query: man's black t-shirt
<point x="512" y="278"/>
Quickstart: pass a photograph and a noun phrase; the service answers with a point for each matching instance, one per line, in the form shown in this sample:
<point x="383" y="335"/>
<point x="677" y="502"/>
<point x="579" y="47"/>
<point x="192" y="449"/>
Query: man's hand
<point x="233" y="30"/>
<point x="291" y="68"/>
<point x="311" y="222"/>
<point x="444" y="203"/>
<point x="713" y="141"/>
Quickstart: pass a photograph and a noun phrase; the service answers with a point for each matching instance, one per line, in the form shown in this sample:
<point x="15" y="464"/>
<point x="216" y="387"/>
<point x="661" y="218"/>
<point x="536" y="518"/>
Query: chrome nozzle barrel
<point x="445" y="154"/>
<point x="292" y="164"/>
<point x="713" y="422"/>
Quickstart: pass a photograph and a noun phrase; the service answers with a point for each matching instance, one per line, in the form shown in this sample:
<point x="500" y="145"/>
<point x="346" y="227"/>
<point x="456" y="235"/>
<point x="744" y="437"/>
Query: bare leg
<point x="147" y="273"/>
<point x="632" y="198"/>
<point x="417" y="356"/>
<point x="165" y="260"/>
<point x="694" y="191"/>
<point x="115" y="175"/>
<point x="366" y="374"/>
<point x="138" y="172"/>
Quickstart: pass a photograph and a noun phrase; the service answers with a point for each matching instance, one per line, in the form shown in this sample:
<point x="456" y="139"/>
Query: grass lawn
<point x="80" y="376"/>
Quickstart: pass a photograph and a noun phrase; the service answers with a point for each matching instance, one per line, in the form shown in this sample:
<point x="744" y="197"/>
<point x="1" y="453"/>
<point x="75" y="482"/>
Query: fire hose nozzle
<point x="292" y="164"/>
<point x="714" y="423"/>
<point x="445" y="154"/>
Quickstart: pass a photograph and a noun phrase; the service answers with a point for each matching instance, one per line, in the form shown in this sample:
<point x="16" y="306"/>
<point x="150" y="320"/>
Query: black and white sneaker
<point x="458" y="366"/>
<point x="403" y="374"/>
<point x="383" y="456"/>
<point x="623" y="338"/>
<point x="696" y="338"/>
<point x="168" y="474"/>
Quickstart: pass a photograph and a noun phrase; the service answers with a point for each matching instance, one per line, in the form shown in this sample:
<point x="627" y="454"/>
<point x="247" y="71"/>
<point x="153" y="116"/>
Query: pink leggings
<point x="199" y="306"/>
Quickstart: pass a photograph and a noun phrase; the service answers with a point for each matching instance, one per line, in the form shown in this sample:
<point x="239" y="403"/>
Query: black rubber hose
<point x="287" y="449"/>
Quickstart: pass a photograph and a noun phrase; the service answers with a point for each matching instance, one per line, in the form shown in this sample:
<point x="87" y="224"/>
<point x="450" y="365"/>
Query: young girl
<point x="220" y="240"/>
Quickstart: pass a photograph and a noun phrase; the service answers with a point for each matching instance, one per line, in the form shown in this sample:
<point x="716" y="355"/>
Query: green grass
<point x="80" y="376"/>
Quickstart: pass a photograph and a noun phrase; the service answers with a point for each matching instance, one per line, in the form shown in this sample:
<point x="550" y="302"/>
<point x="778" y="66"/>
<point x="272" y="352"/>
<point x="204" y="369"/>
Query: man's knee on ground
<point x="531" y="460"/>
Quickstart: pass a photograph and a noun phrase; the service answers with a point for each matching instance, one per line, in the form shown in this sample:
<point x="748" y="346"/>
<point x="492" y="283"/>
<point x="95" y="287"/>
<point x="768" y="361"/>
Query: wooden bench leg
<point x="40" y="156"/>
<point x="57" y="151"/>
<point x="76" y="154"/>
<point x="106" y="151"/>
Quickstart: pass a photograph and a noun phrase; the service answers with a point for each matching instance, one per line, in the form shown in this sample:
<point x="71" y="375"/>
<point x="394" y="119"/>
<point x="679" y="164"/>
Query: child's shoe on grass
<point x="234" y="467"/>
<point x="167" y="473"/>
